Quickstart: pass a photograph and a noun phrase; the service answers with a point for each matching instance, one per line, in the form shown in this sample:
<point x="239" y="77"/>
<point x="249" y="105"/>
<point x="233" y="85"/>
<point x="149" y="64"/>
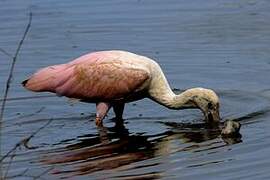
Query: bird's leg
<point x="118" y="109"/>
<point x="102" y="110"/>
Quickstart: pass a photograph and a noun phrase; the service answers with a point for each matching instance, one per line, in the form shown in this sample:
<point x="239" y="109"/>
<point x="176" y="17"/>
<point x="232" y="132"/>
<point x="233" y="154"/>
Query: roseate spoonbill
<point x="113" y="78"/>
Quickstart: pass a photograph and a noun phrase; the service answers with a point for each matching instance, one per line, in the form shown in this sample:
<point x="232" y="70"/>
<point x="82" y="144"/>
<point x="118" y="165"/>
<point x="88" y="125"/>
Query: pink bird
<point x="113" y="78"/>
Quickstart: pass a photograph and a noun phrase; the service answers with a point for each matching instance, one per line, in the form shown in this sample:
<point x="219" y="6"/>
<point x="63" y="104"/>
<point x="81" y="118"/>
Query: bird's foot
<point x="99" y="122"/>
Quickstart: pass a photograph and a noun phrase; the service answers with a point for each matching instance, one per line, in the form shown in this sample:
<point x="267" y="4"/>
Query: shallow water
<point x="223" y="45"/>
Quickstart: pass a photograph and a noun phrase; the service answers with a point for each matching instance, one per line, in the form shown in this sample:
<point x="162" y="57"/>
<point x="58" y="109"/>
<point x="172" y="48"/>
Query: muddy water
<point x="223" y="45"/>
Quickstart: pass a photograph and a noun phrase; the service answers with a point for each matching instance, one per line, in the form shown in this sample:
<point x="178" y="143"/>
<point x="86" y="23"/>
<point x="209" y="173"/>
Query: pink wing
<point x="96" y="76"/>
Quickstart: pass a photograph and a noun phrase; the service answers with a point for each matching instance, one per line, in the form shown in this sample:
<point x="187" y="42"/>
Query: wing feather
<point x="103" y="81"/>
<point x="96" y="76"/>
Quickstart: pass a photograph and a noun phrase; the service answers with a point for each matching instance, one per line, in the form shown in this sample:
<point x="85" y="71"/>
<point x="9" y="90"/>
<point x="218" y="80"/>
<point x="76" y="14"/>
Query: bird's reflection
<point x="115" y="147"/>
<point x="200" y="132"/>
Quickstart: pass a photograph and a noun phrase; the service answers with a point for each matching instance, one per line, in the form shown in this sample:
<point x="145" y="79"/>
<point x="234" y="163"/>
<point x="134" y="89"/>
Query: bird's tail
<point x="46" y="79"/>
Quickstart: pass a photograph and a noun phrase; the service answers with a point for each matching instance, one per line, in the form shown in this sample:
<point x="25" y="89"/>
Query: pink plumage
<point x="94" y="77"/>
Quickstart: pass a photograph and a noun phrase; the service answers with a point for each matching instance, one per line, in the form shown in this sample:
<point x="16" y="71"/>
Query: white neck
<point x="161" y="92"/>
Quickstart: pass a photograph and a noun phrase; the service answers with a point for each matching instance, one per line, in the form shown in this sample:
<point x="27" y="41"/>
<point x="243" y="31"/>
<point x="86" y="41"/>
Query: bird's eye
<point x="210" y="105"/>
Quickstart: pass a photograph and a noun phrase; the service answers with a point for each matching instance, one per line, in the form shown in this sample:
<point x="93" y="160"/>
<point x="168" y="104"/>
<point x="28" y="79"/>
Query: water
<point x="223" y="45"/>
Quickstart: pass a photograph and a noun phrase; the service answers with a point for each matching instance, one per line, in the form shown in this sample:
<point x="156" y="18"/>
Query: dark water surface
<point x="223" y="45"/>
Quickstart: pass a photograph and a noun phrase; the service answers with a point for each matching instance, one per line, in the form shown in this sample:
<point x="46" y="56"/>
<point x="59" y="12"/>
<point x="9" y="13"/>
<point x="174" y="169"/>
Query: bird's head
<point x="207" y="101"/>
